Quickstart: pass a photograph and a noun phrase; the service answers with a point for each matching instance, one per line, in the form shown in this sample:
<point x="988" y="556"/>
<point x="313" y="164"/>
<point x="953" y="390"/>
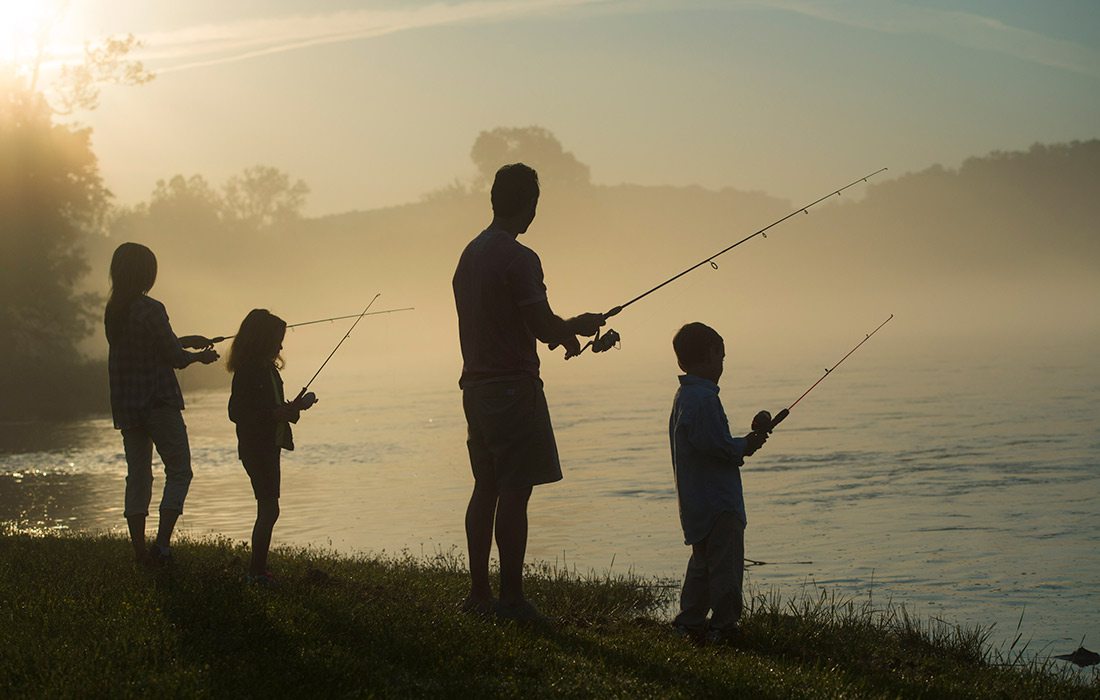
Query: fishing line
<point x="606" y="341"/>
<point x="221" y="338"/>
<point x="346" y="335"/>
<point x="763" y="421"/>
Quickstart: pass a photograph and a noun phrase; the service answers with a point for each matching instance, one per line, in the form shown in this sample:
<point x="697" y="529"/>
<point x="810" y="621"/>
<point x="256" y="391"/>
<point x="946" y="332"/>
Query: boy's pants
<point x="714" y="576"/>
<point x="165" y="429"/>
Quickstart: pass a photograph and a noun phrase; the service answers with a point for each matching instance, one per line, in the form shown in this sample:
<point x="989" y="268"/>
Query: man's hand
<point x="196" y="342"/>
<point x="207" y="356"/>
<point x="572" y="346"/>
<point x="587" y="324"/>
<point x="755" y="440"/>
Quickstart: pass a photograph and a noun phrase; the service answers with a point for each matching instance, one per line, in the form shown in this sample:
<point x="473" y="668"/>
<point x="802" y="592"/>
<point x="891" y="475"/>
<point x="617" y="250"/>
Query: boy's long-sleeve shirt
<point x="705" y="458"/>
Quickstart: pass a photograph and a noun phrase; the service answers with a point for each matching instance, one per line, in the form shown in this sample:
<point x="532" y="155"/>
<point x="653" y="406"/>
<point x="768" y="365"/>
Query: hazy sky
<point x="375" y="103"/>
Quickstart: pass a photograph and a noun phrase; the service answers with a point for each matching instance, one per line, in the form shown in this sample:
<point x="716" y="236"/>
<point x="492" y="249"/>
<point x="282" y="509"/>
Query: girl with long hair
<point x="146" y="401"/>
<point x="263" y="417"/>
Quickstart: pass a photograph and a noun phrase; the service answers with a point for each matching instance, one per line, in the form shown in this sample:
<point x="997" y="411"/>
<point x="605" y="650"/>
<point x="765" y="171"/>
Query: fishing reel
<point x="603" y="343"/>
<point x="763" y="422"/>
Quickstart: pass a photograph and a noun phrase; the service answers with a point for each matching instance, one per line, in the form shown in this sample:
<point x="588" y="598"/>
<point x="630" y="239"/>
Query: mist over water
<point x="930" y="475"/>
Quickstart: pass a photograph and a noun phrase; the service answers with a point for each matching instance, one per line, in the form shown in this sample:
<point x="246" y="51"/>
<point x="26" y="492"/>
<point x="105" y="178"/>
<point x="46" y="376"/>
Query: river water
<point x="965" y="485"/>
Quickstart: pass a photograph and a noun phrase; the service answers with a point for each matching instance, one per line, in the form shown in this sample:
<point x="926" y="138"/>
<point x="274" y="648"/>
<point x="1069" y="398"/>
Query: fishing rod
<point x="763" y="421"/>
<point x="608" y="340"/>
<point x="222" y="338"/>
<point x="346" y="335"/>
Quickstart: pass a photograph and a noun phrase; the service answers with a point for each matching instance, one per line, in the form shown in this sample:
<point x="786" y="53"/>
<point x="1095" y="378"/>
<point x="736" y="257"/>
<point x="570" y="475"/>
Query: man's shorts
<point x="510" y="438"/>
<point x="264" y="470"/>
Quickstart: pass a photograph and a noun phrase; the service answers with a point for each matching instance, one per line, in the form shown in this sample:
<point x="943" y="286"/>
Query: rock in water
<point x="1082" y="657"/>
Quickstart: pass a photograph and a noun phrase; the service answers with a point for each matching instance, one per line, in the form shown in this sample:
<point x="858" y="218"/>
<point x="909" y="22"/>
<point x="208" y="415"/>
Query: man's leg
<point x="479" y="538"/>
<point x="511" y="531"/>
<point x="139" y="485"/>
<point x="726" y="567"/>
<point x="267" y="513"/>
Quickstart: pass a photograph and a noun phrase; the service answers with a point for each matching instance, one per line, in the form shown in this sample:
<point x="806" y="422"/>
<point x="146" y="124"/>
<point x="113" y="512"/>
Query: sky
<point x="374" y="104"/>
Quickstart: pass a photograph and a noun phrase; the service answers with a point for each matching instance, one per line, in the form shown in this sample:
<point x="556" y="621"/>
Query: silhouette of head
<point x="259" y="341"/>
<point x="699" y="350"/>
<point x="133" y="272"/>
<point x="515" y="195"/>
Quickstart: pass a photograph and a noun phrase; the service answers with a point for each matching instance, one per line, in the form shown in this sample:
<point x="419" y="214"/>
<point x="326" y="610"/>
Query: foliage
<point x="263" y="197"/>
<point x="81" y="620"/>
<point x="79" y="84"/>
<point x="51" y="199"/>
<point x="52" y="202"/>
<point x="532" y="145"/>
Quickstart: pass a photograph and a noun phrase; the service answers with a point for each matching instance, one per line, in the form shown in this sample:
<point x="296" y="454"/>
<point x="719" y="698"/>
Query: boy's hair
<point x="514" y="188"/>
<point x="692" y="343"/>
<point x="257" y="342"/>
<point x="133" y="272"/>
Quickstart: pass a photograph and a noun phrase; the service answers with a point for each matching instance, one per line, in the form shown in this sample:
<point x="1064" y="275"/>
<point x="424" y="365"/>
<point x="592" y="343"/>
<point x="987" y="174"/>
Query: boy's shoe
<point x="522" y="612"/>
<point x="478" y="607"/>
<point x="158" y="558"/>
<point x="687" y="633"/>
<point x="264" y="580"/>
<point x="726" y="637"/>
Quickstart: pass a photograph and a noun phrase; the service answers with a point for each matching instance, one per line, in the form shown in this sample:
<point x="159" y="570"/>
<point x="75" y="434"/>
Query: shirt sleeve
<point x="524" y="279"/>
<point x="165" y="342"/>
<point x="708" y="431"/>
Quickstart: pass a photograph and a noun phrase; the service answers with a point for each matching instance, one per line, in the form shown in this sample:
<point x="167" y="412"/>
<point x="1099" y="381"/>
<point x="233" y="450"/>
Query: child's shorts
<point x="263" y="469"/>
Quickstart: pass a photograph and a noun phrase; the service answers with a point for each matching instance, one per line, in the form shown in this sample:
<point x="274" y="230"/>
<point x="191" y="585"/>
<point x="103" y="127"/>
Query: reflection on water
<point x="936" y="484"/>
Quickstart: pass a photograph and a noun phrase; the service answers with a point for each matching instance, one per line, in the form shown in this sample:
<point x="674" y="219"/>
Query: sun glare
<point x="24" y="25"/>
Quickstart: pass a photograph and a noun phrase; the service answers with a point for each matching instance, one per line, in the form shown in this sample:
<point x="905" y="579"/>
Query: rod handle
<point x="779" y="418"/>
<point x="764" y="423"/>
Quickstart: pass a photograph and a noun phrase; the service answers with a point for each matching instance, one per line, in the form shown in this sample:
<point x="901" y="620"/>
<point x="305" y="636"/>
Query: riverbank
<point x="81" y="620"/>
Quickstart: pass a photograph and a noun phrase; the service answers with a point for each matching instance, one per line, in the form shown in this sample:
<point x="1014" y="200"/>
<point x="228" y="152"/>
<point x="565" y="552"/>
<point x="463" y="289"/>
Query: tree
<point x="78" y="85"/>
<point x="532" y="145"/>
<point x="51" y="197"/>
<point x="263" y="197"/>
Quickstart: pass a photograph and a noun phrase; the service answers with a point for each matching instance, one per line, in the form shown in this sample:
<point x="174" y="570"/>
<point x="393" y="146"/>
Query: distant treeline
<point x="226" y="248"/>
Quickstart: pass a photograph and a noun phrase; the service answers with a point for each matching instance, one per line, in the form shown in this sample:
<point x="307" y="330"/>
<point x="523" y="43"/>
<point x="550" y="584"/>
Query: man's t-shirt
<point x="496" y="276"/>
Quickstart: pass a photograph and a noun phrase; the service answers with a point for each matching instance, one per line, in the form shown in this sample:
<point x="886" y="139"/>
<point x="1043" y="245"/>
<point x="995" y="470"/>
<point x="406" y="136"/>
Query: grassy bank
<point x="78" y="619"/>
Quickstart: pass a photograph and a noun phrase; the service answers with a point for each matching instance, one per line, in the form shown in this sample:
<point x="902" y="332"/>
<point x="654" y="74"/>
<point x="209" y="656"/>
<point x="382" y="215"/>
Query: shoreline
<point x="85" y="620"/>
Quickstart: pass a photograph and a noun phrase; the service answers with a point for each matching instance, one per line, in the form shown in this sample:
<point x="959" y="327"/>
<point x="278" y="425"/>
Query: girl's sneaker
<point x="264" y="580"/>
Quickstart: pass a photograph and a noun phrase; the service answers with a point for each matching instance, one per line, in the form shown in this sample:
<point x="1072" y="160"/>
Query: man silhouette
<point x="502" y="310"/>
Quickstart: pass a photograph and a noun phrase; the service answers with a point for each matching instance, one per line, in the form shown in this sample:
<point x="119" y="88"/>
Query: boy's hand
<point x="762" y="422"/>
<point x="755" y="440"/>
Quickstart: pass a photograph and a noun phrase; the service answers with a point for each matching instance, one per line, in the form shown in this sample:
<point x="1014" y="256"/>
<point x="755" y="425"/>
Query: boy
<point x="705" y="461"/>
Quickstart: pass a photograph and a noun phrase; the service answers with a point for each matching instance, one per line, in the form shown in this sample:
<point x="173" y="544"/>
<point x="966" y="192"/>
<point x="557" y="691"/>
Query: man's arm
<point x="709" y="432"/>
<point x="554" y="330"/>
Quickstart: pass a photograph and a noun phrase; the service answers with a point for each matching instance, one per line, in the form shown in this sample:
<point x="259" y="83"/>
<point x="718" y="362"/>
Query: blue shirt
<point x="705" y="458"/>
